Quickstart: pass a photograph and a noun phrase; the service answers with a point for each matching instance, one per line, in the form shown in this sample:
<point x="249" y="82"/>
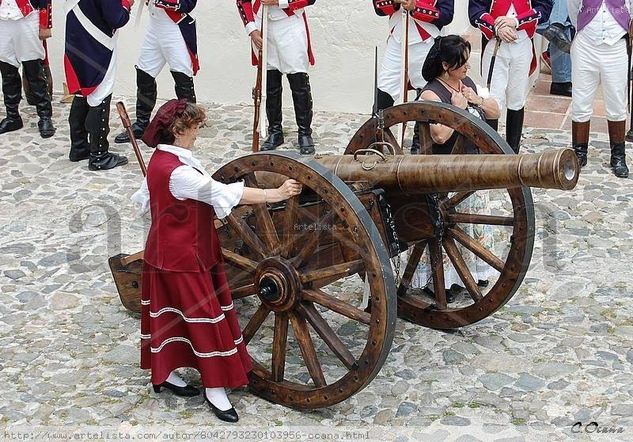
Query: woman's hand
<point x="256" y="37"/>
<point x="287" y="190"/>
<point x="270" y="2"/>
<point x="471" y="96"/>
<point x="458" y="99"/>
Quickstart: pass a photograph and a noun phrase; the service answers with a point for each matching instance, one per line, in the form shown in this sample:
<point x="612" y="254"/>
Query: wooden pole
<point x="127" y="124"/>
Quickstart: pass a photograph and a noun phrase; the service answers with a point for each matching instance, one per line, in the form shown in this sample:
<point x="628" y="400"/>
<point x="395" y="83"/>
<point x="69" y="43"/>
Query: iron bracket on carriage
<point x="317" y="279"/>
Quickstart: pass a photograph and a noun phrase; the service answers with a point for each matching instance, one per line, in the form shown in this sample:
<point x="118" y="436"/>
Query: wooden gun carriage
<point x="317" y="281"/>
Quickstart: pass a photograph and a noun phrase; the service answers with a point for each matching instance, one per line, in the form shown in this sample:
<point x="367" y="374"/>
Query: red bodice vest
<point x="182" y="237"/>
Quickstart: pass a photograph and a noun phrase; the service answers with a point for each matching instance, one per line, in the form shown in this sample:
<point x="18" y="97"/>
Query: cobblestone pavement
<point x="557" y="353"/>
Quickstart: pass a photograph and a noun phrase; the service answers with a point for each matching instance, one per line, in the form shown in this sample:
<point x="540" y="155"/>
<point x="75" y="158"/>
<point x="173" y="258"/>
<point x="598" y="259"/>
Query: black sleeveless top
<point x="444" y="94"/>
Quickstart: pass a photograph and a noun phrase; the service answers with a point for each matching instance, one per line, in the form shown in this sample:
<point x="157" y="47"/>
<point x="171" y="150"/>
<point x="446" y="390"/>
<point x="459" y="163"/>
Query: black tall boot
<point x="34" y="73"/>
<point x="98" y="127"/>
<point x="275" y="136"/>
<point x="415" y="141"/>
<point x="12" y="90"/>
<point x="617" y="131"/>
<point x="146" y="93"/>
<point x="494" y="124"/>
<point x="30" y="99"/>
<point x="183" y="85"/>
<point x="514" y="128"/>
<point x="580" y="140"/>
<point x="79" y="147"/>
<point x="302" y="98"/>
<point x="384" y="100"/>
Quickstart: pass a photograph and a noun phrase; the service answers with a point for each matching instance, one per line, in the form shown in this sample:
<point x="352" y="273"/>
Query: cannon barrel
<point x="551" y="169"/>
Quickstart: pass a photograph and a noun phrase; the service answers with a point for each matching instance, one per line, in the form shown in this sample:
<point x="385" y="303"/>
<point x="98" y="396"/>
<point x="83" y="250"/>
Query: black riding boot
<point x="183" y="85"/>
<point x="415" y="142"/>
<point x="30" y="99"/>
<point x="275" y="136"/>
<point x="12" y="90"/>
<point x="98" y="127"/>
<point x="384" y="100"/>
<point x="79" y="147"/>
<point x="514" y="128"/>
<point x="493" y="123"/>
<point x="302" y="98"/>
<point x="34" y="73"/>
<point x="617" y="131"/>
<point x="580" y="140"/>
<point x="146" y="93"/>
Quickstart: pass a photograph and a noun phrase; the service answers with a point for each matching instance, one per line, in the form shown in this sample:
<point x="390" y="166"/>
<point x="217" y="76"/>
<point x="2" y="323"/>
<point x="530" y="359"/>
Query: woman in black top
<point x="445" y="69"/>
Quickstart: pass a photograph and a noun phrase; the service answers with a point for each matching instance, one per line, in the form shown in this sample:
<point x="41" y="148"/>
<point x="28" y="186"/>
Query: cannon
<point x="319" y="280"/>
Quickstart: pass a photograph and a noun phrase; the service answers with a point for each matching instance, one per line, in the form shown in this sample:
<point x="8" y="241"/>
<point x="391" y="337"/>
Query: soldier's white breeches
<point x="105" y="88"/>
<point x="164" y="44"/>
<point x="20" y="41"/>
<point x="390" y="71"/>
<point x="287" y="45"/>
<point x="510" y="76"/>
<point x="591" y="65"/>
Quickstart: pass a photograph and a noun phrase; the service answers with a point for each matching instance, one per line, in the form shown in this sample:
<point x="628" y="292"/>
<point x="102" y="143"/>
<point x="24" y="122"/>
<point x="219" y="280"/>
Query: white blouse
<point x="191" y="181"/>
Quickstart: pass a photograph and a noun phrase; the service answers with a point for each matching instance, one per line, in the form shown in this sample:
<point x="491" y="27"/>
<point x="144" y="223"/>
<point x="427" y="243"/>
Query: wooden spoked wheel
<point x="296" y="270"/>
<point x="456" y="223"/>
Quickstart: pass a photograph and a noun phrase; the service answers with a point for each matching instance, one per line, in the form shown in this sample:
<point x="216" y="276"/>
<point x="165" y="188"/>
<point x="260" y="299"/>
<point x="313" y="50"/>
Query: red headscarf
<point x="158" y="129"/>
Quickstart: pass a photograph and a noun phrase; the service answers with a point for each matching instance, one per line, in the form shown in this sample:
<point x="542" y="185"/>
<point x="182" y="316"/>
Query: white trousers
<point x="391" y="69"/>
<point x="287" y="45"/>
<point x="510" y="76"/>
<point x="20" y="41"/>
<point x="591" y="65"/>
<point x="164" y="44"/>
<point x="105" y="88"/>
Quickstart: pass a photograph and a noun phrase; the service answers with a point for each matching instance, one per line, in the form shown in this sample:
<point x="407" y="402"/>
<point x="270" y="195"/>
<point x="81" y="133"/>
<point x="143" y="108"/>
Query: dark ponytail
<point x="451" y="49"/>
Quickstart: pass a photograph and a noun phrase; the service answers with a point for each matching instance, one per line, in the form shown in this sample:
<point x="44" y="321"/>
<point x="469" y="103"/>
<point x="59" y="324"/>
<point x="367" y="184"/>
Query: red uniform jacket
<point x="530" y="13"/>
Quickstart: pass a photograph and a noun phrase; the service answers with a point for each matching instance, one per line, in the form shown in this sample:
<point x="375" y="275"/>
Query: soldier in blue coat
<point x="90" y="65"/>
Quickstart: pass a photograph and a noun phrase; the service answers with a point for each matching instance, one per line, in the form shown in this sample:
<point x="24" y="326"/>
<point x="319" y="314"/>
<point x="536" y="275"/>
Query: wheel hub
<point x="278" y="284"/>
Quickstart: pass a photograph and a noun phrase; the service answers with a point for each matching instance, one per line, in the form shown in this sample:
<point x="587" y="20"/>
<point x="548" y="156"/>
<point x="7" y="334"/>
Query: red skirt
<point x="188" y="320"/>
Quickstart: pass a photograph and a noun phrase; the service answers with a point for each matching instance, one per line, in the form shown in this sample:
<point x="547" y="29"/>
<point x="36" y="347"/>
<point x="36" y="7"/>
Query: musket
<point x="127" y="124"/>
<point x="257" y="99"/>
<point x="264" y="63"/>
<point x="375" y="112"/>
<point x="629" y="78"/>
<point x="404" y="78"/>
<point x="374" y="109"/>
<point x="493" y="59"/>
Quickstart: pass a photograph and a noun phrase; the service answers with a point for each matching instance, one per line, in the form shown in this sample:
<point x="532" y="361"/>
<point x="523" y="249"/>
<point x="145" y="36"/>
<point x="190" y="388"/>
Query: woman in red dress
<point x="187" y="314"/>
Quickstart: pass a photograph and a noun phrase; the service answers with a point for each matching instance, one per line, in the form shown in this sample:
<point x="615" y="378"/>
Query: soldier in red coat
<point x="509" y="25"/>
<point x="24" y="25"/>
<point x="170" y="39"/>
<point x="289" y="53"/>
<point x="426" y="19"/>
<point x="187" y="313"/>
